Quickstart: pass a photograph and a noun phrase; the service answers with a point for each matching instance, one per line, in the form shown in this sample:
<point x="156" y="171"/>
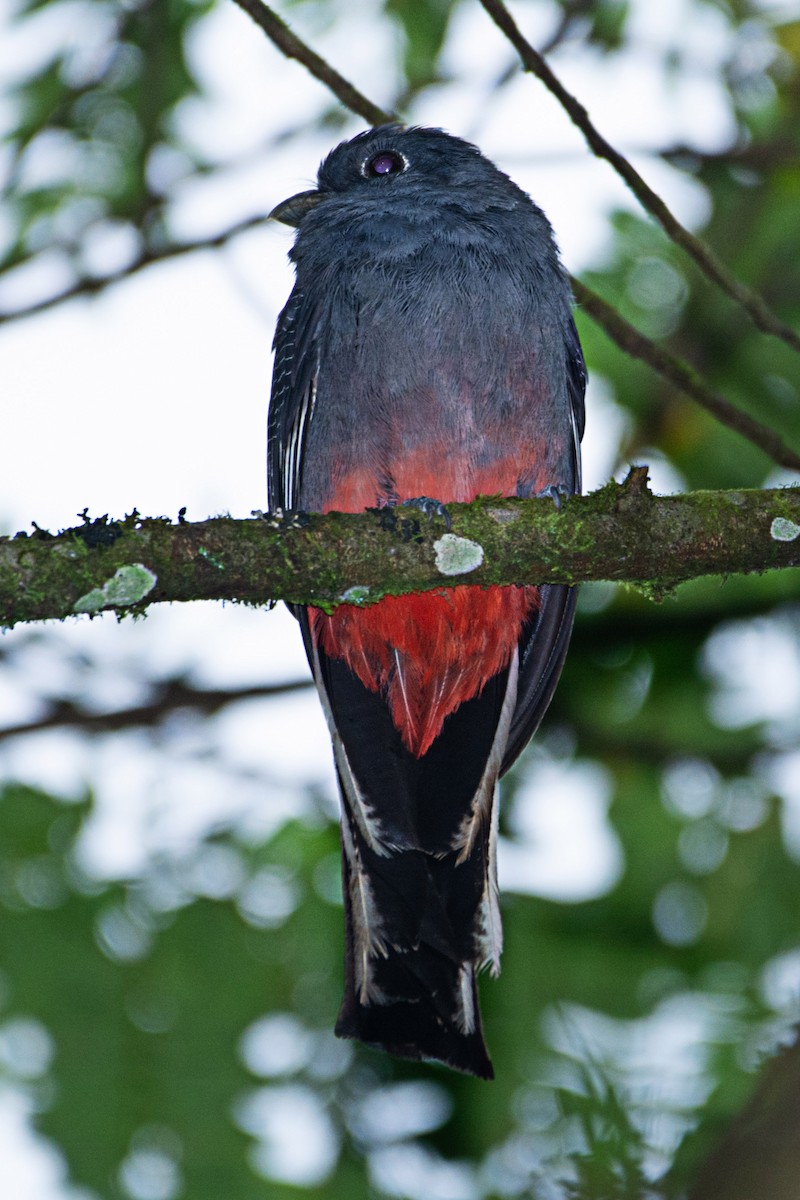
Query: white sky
<point x="155" y="394"/>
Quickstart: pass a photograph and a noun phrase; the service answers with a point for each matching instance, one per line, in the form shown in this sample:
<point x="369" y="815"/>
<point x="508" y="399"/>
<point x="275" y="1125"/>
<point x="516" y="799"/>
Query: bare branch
<point x="759" y="156"/>
<point x="292" y="47"/>
<point x="753" y="304"/>
<point x="620" y="533"/>
<point x="684" y="376"/>
<point x="731" y="754"/>
<point x="91" y="286"/>
<point x="168" y="697"/>
<point x="760" y="1153"/>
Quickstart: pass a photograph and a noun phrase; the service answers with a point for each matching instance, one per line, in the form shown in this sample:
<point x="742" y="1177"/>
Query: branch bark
<point x="754" y="305"/>
<point x="291" y="46"/>
<point x="621" y="532"/>
<point x="760" y="1153"/>
<point x="683" y="376"/>
<point x="148" y="258"/>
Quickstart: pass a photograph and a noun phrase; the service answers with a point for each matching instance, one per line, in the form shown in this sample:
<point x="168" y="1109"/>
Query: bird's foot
<point x="556" y="492"/>
<point x="431" y="508"/>
<point x="279" y="518"/>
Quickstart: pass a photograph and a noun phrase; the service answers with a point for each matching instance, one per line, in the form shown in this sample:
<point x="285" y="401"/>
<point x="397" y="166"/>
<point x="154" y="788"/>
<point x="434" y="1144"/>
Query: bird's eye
<point x="387" y="162"/>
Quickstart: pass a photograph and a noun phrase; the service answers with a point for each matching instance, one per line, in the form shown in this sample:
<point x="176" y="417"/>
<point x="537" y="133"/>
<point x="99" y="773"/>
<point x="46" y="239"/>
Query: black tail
<point x="410" y="976"/>
<point x="418" y="848"/>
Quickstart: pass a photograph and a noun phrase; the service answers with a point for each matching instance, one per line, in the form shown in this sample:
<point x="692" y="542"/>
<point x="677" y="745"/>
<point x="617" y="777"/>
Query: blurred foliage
<point x="181" y="1007"/>
<point x="91" y="137"/>
<point x="165" y="1028"/>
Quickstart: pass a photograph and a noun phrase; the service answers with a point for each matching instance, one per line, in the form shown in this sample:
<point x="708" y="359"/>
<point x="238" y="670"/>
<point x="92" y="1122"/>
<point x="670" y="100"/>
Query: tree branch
<point x="91" y="286"/>
<point x="683" y="376"/>
<point x="621" y="532"/>
<point x="168" y="696"/>
<point x="292" y="47"/>
<point x="753" y="304"/>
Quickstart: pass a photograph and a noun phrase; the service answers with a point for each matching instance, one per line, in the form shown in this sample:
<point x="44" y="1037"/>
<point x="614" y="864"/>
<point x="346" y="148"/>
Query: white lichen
<point x="784" y="530"/>
<point x="356" y="595"/>
<point x="128" y="585"/>
<point x="457" y="555"/>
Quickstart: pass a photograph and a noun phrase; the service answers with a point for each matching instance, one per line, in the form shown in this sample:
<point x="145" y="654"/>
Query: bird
<point x="427" y="355"/>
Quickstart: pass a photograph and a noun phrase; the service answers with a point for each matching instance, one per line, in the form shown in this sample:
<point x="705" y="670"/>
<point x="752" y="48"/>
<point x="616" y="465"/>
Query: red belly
<point x="427" y="653"/>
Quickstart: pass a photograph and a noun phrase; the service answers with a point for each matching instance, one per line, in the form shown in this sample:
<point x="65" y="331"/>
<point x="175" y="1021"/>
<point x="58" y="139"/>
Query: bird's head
<point x="393" y="167"/>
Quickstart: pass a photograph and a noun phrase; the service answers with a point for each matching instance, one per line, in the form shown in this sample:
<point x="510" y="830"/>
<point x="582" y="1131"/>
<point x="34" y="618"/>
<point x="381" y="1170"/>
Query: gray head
<point x="393" y="164"/>
<point x="399" y="188"/>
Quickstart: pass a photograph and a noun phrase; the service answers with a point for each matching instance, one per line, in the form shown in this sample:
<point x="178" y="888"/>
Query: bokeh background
<point x="170" y="909"/>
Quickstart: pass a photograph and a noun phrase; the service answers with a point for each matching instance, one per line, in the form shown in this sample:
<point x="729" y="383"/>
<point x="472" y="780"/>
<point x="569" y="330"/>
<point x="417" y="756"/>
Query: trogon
<point x="427" y="352"/>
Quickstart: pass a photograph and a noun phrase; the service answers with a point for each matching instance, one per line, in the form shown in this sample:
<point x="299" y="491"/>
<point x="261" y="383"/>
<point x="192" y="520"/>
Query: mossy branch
<point x="621" y="532"/>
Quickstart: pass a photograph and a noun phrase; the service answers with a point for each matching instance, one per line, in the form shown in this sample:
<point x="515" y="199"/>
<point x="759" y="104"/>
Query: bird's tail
<point x="419" y="839"/>
<point x="410" y="985"/>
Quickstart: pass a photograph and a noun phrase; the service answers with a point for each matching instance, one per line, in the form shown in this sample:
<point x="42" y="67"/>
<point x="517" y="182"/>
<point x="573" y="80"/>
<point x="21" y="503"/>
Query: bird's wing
<point x="576" y="391"/>
<point x="291" y="407"/>
<point x="544" y="643"/>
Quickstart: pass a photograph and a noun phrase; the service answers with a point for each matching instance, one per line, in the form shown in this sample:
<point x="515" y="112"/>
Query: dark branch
<point x="167" y="698"/>
<point x="760" y="1153"/>
<point x="753" y="304"/>
<point x="732" y="754"/>
<point x="292" y="47"/>
<point x="620" y="533"/>
<point x="758" y="156"/>
<point x="683" y="376"/>
<point x="87" y="286"/>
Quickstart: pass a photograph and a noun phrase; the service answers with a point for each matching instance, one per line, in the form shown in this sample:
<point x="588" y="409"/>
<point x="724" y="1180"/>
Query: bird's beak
<point x="294" y="210"/>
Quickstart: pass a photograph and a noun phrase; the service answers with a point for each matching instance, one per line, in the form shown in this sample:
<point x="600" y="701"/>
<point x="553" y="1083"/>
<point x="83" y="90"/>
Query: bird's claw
<point x="431" y="508"/>
<point x="556" y="492"/>
<point x="280" y="518"/>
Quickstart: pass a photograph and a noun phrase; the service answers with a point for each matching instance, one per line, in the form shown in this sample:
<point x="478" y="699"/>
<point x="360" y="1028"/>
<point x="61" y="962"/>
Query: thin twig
<point x="170" y="696"/>
<point x="92" y="285"/>
<point x="753" y="304"/>
<point x="292" y="47"/>
<point x="684" y="376"/>
<point x="758" y="156"/>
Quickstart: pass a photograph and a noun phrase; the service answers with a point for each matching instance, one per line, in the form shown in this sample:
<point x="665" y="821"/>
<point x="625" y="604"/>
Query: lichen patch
<point x="457" y="555"/>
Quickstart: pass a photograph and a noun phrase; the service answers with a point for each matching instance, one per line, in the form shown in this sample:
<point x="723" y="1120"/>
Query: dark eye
<point x="387" y="162"/>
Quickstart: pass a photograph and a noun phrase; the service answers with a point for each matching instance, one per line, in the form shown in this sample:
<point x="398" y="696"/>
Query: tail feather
<point x="422" y="915"/>
<point x="411" y="1028"/>
<point x="410" y="984"/>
